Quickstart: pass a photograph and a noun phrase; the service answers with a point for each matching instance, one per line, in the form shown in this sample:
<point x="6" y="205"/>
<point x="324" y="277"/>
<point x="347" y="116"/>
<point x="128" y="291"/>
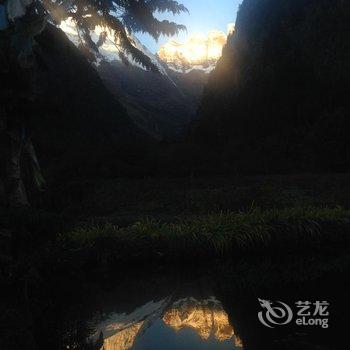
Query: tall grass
<point x="218" y="234"/>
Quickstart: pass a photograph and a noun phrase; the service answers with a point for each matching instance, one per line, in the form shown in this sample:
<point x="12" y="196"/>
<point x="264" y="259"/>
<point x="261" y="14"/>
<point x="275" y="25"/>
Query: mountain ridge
<point x="276" y="101"/>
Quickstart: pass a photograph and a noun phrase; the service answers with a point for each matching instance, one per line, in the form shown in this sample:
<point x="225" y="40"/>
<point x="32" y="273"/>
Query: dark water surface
<point x="218" y="309"/>
<point x="186" y="323"/>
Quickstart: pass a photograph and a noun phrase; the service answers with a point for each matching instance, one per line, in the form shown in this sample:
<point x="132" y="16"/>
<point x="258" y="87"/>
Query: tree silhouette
<point x="123" y="17"/>
<point x="25" y="20"/>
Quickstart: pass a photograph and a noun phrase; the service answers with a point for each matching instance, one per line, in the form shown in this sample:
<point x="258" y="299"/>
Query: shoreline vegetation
<point x="226" y="235"/>
<point x="218" y="235"/>
<point x="187" y="219"/>
<point x="59" y="262"/>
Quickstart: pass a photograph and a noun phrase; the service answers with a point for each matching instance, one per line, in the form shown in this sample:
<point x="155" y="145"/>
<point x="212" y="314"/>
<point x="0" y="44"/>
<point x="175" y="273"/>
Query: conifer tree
<point x="22" y="20"/>
<point x="123" y="17"/>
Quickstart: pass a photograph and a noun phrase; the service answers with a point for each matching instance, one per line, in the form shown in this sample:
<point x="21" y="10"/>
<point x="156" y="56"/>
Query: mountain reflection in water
<point x="187" y="323"/>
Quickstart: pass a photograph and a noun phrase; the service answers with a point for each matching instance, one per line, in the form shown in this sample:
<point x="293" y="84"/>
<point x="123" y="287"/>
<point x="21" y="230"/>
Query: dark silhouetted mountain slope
<point x="278" y="98"/>
<point x="80" y="129"/>
<point x="161" y="104"/>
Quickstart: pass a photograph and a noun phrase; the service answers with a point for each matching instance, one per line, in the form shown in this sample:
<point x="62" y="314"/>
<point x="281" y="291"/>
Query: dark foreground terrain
<point x="272" y="237"/>
<point x="124" y="201"/>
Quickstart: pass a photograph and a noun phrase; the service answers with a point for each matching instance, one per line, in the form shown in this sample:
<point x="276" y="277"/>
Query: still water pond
<point x="186" y="323"/>
<point x="195" y="310"/>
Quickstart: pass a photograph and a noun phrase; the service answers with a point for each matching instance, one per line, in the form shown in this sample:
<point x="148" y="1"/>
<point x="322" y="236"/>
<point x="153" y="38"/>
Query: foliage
<point x="216" y="234"/>
<point x="121" y="17"/>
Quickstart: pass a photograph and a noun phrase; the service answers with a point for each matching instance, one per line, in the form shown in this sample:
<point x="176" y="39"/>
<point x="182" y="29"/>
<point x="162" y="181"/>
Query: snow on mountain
<point x="198" y="52"/>
<point x="109" y="51"/>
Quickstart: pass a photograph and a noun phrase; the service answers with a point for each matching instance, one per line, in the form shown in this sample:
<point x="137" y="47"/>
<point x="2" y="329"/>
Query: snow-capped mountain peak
<point x="198" y="52"/>
<point x="109" y="51"/>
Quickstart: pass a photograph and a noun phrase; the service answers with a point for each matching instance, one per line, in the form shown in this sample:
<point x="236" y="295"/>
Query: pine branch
<point x="167" y="6"/>
<point x="122" y="17"/>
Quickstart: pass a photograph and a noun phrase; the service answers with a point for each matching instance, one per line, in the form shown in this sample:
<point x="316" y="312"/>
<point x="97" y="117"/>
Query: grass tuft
<point x="219" y="234"/>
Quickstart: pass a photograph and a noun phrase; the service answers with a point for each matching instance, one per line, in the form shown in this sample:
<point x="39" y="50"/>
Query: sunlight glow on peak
<point x="199" y="48"/>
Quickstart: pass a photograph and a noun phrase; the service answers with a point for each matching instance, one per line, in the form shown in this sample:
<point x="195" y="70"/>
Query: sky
<point x="204" y="16"/>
